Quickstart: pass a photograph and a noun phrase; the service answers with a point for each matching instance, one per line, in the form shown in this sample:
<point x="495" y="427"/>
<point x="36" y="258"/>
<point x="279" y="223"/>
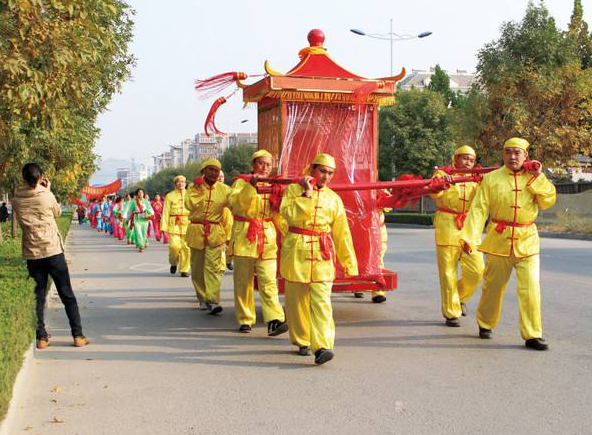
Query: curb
<point x="18" y="391"/>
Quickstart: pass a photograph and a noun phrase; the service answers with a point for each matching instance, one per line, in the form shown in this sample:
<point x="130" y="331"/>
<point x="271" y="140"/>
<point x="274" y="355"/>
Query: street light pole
<point x="391" y="37"/>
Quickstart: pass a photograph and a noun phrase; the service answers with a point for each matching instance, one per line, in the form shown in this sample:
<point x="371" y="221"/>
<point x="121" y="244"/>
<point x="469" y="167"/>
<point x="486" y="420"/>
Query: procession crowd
<point x="209" y="224"/>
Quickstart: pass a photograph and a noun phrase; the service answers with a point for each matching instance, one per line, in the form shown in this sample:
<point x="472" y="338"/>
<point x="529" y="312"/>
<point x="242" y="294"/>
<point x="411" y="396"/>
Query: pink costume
<point x="158" y="206"/>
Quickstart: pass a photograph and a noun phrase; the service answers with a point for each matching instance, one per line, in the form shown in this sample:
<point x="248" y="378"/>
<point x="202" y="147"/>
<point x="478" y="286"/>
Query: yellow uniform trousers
<point x="452" y="289"/>
<point x="244" y="294"/>
<point x="383" y="246"/>
<point x="497" y="275"/>
<point x="310" y="315"/>
<point x="179" y="252"/>
<point x="205" y="273"/>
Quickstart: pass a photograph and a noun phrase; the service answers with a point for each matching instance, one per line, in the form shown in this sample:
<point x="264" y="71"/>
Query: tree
<point x="578" y="32"/>
<point x="534" y="87"/>
<point x="440" y="82"/>
<point x="237" y="160"/>
<point x="60" y="63"/>
<point x="414" y="135"/>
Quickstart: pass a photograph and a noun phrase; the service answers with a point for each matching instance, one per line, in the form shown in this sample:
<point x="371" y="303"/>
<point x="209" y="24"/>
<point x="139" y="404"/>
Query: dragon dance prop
<point x="93" y="192"/>
<point x="77" y="201"/>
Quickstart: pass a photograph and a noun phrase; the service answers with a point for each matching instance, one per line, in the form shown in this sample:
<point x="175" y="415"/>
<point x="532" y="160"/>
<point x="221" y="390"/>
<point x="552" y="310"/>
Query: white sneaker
<point x="214" y="309"/>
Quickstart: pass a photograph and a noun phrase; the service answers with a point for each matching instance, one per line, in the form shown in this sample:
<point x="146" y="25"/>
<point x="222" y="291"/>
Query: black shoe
<point x="173" y="270"/>
<point x="484" y="333"/>
<point x="378" y="299"/>
<point x="536" y="344"/>
<point x="214" y="309"/>
<point x="275" y="327"/>
<point x="452" y="322"/>
<point x="184" y="274"/>
<point x="304" y="350"/>
<point x="359" y="295"/>
<point x="323" y="355"/>
<point x="229" y="266"/>
<point x="244" y="329"/>
<point x="463" y="308"/>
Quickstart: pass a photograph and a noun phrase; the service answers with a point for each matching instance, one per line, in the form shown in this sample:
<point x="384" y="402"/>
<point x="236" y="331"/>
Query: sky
<point x="178" y="41"/>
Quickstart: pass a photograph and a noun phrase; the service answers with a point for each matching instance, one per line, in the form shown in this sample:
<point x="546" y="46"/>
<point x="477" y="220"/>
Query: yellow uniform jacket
<point x="206" y="207"/>
<point x="301" y="257"/>
<point x="511" y="200"/>
<point x="174" y="218"/>
<point x="453" y="206"/>
<point x="249" y="237"/>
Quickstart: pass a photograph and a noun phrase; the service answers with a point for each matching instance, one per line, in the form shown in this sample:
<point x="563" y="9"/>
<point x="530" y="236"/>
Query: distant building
<point x="199" y="148"/>
<point x="460" y="81"/>
<point x="124" y="175"/>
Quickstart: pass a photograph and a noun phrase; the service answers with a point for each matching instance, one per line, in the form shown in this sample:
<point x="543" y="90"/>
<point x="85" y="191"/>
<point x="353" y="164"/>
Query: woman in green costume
<point x="140" y="212"/>
<point x="129" y="234"/>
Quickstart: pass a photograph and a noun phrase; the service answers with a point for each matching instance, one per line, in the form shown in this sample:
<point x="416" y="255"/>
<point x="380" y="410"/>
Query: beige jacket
<point x="36" y="210"/>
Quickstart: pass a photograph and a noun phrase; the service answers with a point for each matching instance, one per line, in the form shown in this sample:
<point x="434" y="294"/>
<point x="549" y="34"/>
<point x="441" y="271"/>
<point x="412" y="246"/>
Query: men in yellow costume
<point x="254" y="249"/>
<point x="511" y="197"/>
<point x="174" y="221"/>
<point x="317" y="231"/>
<point x="453" y="205"/>
<point x="206" y="235"/>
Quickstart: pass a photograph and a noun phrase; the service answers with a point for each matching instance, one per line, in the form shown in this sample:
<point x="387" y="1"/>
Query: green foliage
<point x="578" y="32"/>
<point x="17" y="309"/>
<point x="414" y="135"/>
<point x="532" y="86"/>
<point x="440" y="82"/>
<point x="237" y="160"/>
<point x="60" y="63"/>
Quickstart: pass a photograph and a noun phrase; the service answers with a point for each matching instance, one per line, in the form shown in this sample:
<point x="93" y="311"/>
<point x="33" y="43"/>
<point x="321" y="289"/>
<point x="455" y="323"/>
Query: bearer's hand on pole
<point x="448" y="177"/>
<point x="307" y="184"/>
<point x="253" y="180"/>
<point x="465" y="247"/>
<point x="534" y="167"/>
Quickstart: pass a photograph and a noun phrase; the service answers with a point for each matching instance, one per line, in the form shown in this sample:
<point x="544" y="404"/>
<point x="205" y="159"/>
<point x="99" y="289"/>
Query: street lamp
<point x="391" y="36"/>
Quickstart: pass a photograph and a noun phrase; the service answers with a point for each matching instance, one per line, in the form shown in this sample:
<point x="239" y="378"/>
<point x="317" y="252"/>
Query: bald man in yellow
<point x="511" y="197"/>
<point x="317" y="233"/>
<point x="174" y="221"/>
<point x="254" y="249"/>
<point x="206" y="234"/>
<point x="452" y="207"/>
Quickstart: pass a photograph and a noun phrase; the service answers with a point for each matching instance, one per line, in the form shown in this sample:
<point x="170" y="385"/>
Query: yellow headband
<point x="465" y="149"/>
<point x="321" y="159"/>
<point x="179" y="177"/>
<point x="261" y="153"/>
<point x="517" y="142"/>
<point x="210" y="162"/>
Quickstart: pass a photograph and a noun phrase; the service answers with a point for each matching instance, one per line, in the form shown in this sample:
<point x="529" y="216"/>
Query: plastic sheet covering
<point x="347" y="134"/>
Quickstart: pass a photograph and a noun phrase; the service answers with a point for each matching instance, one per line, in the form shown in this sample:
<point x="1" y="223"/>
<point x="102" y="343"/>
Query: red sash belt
<point x="178" y="218"/>
<point x="255" y="231"/>
<point x="325" y="240"/>
<point x="207" y="226"/>
<point x="502" y="225"/>
<point x="459" y="218"/>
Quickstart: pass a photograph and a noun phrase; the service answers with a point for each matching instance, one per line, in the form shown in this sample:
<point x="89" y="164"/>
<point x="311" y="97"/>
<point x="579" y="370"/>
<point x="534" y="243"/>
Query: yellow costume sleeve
<point x="478" y="214"/>
<point x="166" y="211"/>
<point x="543" y="190"/>
<point x="295" y="207"/>
<point x="344" y="246"/>
<point x="242" y="196"/>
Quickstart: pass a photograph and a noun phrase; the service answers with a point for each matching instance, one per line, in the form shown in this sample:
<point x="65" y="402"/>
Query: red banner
<point x="92" y="192"/>
<point x="77" y="201"/>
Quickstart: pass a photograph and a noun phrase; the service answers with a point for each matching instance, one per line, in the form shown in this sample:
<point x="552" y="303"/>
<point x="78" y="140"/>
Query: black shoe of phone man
<point x="173" y="270"/>
<point x="323" y="355"/>
<point x="536" y="344"/>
